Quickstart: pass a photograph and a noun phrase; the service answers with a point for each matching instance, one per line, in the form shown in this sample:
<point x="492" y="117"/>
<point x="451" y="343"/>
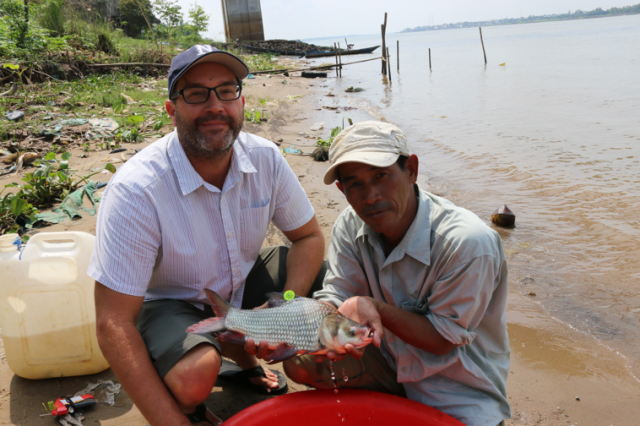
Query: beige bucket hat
<point x="371" y="142"/>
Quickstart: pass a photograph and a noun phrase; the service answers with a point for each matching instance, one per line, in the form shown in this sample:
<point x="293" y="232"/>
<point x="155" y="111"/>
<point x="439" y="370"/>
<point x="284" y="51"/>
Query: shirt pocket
<point x="254" y="222"/>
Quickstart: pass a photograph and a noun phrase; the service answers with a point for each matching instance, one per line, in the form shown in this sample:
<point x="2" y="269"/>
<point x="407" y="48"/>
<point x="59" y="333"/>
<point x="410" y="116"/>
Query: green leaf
<point x="27" y="187"/>
<point x="25" y="238"/>
<point x="11" y="185"/>
<point x="110" y="167"/>
<point x="50" y="156"/>
<point x="64" y="165"/>
<point x="135" y="119"/>
<point x="66" y="156"/>
<point x="62" y="175"/>
<point x="12" y="66"/>
<point x="18" y="205"/>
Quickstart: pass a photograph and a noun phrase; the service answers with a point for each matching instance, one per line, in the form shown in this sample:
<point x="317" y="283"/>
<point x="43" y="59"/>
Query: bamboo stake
<point x="384" y="42"/>
<point x="389" y="64"/>
<point x="335" y="49"/>
<point x="398" y="50"/>
<point x="319" y="67"/>
<point x="429" y="59"/>
<point x="483" y="51"/>
<point x="340" y="59"/>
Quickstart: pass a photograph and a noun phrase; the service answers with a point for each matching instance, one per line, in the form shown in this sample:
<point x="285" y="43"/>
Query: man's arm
<point x="303" y="264"/>
<point x="124" y="349"/>
<point x="305" y="257"/>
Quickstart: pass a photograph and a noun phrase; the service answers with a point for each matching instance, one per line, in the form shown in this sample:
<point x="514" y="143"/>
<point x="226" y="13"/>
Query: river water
<point x="554" y="133"/>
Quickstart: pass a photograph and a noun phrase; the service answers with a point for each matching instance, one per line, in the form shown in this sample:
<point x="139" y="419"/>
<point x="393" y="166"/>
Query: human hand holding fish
<point x="288" y="327"/>
<point x="364" y="310"/>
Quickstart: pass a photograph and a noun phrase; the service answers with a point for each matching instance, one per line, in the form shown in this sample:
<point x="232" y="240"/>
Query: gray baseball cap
<point x="204" y="53"/>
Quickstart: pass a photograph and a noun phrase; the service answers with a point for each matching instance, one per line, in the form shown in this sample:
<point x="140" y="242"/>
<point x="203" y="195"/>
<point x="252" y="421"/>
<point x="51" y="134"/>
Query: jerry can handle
<point x="54" y="242"/>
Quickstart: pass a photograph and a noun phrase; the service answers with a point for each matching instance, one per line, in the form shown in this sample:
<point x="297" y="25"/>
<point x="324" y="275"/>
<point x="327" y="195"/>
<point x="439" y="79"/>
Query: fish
<point x="290" y="327"/>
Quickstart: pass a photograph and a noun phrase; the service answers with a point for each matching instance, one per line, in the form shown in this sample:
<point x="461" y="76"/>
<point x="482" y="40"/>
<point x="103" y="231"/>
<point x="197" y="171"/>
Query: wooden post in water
<point x="340" y="58"/>
<point x="384" y="44"/>
<point x="483" y="51"/>
<point x="335" y="50"/>
<point x="398" y="50"/>
<point x="389" y="64"/>
<point x="429" y="59"/>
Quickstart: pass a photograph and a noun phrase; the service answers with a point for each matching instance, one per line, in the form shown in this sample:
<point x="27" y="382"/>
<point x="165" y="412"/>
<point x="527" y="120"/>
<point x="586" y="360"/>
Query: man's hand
<point x="363" y="310"/>
<point x="261" y="351"/>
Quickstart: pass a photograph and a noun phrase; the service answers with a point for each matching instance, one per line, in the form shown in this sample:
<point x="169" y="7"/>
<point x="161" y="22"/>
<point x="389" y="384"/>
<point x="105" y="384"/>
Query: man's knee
<point x="193" y="377"/>
<point x="296" y="373"/>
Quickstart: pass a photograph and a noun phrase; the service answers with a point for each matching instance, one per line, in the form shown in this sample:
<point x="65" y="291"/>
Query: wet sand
<point x="558" y="376"/>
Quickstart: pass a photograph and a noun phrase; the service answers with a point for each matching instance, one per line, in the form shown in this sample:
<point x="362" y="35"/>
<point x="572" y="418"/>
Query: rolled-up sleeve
<point x="292" y="206"/>
<point x="460" y="297"/>
<point x="127" y="241"/>
<point x="345" y="276"/>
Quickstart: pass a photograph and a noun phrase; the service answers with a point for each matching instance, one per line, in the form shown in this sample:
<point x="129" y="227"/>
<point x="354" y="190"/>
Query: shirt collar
<point x="189" y="180"/>
<point x="416" y="242"/>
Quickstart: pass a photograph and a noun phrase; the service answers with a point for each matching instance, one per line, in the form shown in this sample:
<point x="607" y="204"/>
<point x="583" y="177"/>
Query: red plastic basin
<point x="347" y="407"/>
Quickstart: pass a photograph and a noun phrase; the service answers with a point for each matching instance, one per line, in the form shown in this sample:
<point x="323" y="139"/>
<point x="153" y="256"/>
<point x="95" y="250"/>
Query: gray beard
<point x="207" y="147"/>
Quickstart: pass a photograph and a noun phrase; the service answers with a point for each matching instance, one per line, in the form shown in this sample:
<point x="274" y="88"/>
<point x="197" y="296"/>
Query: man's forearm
<point x="126" y="353"/>
<point x="303" y="263"/>
<point x="414" y="329"/>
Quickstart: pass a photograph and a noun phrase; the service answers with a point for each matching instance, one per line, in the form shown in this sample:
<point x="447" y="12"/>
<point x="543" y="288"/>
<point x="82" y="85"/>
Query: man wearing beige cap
<point x="430" y="279"/>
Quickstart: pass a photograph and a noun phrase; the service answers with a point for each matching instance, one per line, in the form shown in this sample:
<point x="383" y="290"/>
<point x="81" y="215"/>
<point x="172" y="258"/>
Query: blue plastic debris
<point x="251" y="76"/>
<point x="292" y="150"/>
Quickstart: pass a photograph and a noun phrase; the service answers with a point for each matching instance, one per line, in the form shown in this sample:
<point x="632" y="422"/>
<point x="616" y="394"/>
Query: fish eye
<point x="353" y="331"/>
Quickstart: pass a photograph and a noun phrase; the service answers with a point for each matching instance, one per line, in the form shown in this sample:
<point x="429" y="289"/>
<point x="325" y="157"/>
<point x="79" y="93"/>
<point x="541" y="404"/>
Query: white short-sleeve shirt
<point x="164" y="233"/>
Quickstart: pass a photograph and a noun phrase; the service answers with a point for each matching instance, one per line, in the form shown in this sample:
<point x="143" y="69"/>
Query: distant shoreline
<point x="578" y="14"/>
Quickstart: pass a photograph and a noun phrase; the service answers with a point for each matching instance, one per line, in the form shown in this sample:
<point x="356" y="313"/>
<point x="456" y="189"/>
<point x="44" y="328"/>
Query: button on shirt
<point x="451" y="268"/>
<point x="164" y="233"/>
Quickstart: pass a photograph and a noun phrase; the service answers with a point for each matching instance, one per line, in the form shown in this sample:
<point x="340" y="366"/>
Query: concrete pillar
<point x="242" y="20"/>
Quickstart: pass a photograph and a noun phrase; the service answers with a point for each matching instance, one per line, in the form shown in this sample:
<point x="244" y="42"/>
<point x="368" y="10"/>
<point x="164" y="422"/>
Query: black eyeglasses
<point x="198" y="95"/>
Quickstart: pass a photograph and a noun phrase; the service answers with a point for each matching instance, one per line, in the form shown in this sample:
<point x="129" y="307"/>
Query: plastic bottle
<point x="47" y="311"/>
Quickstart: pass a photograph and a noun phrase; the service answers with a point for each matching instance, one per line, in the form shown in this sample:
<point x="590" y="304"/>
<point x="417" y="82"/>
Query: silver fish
<point x="297" y="326"/>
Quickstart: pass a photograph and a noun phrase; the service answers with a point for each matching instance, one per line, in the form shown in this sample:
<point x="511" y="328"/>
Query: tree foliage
<point x="132" y="20"/>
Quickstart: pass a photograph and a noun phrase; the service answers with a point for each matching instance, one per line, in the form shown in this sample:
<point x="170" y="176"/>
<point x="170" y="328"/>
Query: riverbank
<point x="558" y="376"/>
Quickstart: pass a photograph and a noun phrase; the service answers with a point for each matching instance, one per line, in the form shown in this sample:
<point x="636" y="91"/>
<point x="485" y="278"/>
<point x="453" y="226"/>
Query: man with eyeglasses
<point x="191" y="212"/>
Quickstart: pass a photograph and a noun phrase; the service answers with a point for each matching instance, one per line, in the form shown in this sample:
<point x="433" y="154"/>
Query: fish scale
<point x="295" y="322"/>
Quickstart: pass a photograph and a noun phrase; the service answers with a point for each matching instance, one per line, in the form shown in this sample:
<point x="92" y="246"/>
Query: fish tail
<point x="220" y="306"/>
<point x="216" y="324"/>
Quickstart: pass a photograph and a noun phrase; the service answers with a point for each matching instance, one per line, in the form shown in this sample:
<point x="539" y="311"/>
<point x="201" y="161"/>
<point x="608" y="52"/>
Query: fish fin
<point x="277" y="299"/>
<point x="282" y="352"/>
<point x="210" y="325"/>
<point x="220" y="306"/>
<point x="233" y="337"/>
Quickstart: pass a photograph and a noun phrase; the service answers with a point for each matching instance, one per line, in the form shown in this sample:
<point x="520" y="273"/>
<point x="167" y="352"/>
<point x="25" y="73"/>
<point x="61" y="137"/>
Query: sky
<point x="307" y="19"/>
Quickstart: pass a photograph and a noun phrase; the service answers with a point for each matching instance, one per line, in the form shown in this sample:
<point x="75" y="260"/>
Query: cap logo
<point x="202" y="49"/>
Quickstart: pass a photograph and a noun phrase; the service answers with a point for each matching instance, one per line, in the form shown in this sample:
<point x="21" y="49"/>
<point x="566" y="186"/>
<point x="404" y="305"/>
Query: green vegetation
<point x="578" y="14"/>
<point x="50" y="183"/>
<point x="326" y="143"/>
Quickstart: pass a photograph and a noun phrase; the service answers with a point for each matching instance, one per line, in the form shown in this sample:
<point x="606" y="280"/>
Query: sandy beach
<point x="558" y="376"/>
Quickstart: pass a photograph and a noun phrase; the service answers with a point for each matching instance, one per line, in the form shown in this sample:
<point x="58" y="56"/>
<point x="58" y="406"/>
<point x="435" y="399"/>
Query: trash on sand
<point x="314" y="74"/>
<point x="502" y="64"/>
<point x="72" y="204"/>
<point x="320" y="154"/>
<point x="294" y="97"/>
<point x="318" y="126"/>
<point x="118" y="150"/>
<point x="102" y="391"/>
<point x="292" y="150"/>
<point x="14" y="115"/>
<point x="332" y="107"/>
<point x="69" y="420"/>
<point x="250" y="76"/>
<point x="354" y="89"/>
<point x="129" y="99"/>
<point x="74" y="122"/>
<point x="104" y="124"/>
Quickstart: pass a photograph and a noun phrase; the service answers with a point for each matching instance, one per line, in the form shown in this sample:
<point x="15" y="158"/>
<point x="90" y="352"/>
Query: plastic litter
<point x="354" y="89"/>
<point x="72" y="205"/>
<point x="105" y="392"/>
<point x="15" y="115"/>
<point x="74" y="122"/>
<point x="318" y="126"/>
<point x="292" y="150"/>
<point x="251" y="76"/>
<point x="104" y="124"/>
